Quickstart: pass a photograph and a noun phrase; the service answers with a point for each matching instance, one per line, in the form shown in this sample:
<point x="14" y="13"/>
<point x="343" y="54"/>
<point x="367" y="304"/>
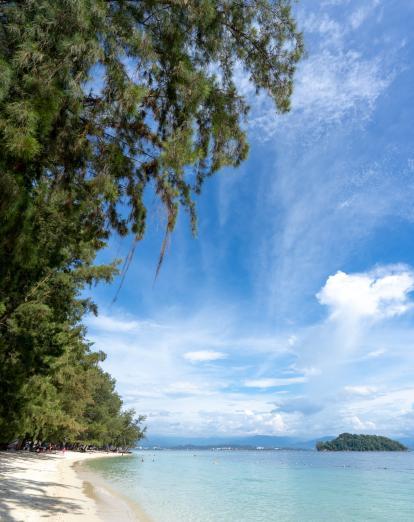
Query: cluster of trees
<point x="101" y="101"/>
<point x="352" y="442"/>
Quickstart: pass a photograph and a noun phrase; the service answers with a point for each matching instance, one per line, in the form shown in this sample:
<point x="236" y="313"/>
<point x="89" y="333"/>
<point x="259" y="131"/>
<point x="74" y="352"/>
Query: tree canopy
<point x="101" y="97"/>
<point x="352" y="442"/>
<point x="100" y="100"/>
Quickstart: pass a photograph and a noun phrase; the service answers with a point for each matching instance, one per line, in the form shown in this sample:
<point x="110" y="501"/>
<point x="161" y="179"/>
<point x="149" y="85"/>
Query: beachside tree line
<point x="102" y="101"/>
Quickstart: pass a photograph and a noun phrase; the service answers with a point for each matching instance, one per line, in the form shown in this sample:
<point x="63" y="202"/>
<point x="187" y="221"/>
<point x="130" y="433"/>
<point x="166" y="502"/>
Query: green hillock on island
<point x="352" y="442"/>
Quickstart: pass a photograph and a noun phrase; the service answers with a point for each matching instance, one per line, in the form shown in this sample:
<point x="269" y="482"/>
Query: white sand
<point x="35" y="487"/>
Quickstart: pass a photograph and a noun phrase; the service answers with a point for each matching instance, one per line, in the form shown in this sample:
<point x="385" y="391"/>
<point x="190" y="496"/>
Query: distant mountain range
<point x="255" y="441"/>
<point x="407" y="441"/>
<point x="248" y="442"/>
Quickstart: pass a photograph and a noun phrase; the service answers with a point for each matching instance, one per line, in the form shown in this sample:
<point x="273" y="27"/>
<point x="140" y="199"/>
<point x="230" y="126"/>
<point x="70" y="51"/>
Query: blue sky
<point x="292" y="312"/>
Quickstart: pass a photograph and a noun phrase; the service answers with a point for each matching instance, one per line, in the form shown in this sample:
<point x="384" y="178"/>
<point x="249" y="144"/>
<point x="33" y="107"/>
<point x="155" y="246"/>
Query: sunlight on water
<point x="249" y="486"/>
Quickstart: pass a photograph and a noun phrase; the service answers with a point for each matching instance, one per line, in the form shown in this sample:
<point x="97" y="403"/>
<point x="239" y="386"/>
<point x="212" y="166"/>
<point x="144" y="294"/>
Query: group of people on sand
<point x="37" y="446"/>
<point x="43" y="447"/>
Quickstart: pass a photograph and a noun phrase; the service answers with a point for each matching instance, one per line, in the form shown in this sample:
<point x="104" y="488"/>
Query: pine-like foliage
<point x="105" y="96"/>
<point x="100" y="99"/>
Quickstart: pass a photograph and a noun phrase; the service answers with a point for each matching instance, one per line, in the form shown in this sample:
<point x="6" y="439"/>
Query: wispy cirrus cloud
<point x="361" y="390"/>
<point x="109" y="323"/>
<point x="292" y="312"/>
<point x="337" y="81"/>
<point x="273" y="382"/>
<point x="332" y="180"/>
<point x="335" y="85"/>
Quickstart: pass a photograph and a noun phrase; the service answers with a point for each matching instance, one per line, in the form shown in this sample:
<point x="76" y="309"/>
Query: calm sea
<point x="253" y="486"/>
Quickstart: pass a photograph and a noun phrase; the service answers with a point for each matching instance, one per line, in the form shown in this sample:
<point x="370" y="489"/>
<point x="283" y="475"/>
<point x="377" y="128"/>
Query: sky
<point x="291" y="312"/>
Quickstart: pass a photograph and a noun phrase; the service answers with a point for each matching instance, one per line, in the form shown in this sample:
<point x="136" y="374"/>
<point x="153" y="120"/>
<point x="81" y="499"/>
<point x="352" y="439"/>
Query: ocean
<point x="265" y="486"/>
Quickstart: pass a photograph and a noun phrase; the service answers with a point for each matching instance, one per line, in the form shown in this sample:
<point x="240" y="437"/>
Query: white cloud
<point x="153" y="376"/>
<point x="325" y="3"/>
<point x="333" y="84"/>
<point x="360" y="14"/>
<point x="336" y="82"/>
<point x="328" y="27"/>
<point x="358" y="17"/>
<point x="151" y="366"/>
<point x="204" y="356"/>
<point x="298" y="404"/>
<point x="150" y="361"/>
<point x="323" y="24"/>
<point x="330" y="186"/>
<point x="106" y="323"/>
<point x="348" y="350"/>
<point x="359" y="424"/>
<point x="378" y="294"/>
<point x="310" y="371"/>
<point x="186" y="388"/>
<point x="273" y="383"/>
<point x="111" y="324"/>
<point x="246" y="422"/>
<point x="323" y="191"/>
<point x="376" y="353"/>
<point x="361" y="390"/>
<point x="292" y="340"/>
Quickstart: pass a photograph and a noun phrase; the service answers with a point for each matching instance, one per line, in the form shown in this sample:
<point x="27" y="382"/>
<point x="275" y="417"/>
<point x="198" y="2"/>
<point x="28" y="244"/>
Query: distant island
<point x="352" y="442"/>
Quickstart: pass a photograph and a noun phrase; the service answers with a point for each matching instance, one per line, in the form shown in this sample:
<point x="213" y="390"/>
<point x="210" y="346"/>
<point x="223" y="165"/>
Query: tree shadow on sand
<point x="24" y="493"/>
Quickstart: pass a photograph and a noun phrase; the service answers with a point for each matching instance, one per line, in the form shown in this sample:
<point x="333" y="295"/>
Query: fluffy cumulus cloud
<point x="244" y="422"/>
<point x="363" y="353"/>
<point x="378" y="294"/>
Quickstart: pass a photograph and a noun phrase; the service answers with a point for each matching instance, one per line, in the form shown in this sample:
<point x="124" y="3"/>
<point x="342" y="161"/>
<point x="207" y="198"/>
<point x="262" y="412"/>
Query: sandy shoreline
<point x="36" y="487"/>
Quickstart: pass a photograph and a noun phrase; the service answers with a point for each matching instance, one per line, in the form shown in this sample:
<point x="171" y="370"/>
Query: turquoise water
<point x="253" y="486"/>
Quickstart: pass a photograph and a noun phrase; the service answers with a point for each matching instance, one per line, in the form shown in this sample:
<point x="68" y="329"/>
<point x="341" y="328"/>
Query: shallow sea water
<point x="265" y="486"/>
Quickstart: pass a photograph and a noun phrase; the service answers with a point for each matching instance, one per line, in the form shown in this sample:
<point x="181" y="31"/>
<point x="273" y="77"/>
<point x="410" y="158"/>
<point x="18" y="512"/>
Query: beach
<point x="36" y="487"/>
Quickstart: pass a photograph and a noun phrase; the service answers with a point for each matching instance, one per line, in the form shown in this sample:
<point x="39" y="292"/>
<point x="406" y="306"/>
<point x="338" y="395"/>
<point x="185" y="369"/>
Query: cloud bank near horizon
<point x="323" y="381"/>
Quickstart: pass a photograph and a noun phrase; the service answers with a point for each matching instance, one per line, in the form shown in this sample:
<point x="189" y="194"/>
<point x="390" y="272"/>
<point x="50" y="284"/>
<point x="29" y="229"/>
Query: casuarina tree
<point x="101" y="100"/>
